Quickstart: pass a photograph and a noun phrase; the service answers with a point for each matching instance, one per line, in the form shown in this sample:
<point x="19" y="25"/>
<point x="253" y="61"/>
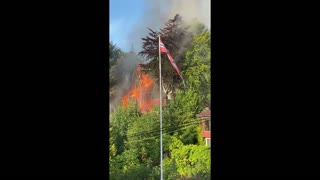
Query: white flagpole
<point x="160" y="79"/>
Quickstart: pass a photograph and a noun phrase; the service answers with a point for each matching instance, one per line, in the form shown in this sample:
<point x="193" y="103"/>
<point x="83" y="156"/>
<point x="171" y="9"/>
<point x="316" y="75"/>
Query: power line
<point x="167" y="129"/>
<point x="156" y="136"/>
<point x="155" y="130"/>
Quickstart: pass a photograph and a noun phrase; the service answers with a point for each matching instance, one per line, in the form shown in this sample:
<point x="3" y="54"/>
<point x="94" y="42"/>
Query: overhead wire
<point x="157" y="130"/>
<point x="165" y="131"/>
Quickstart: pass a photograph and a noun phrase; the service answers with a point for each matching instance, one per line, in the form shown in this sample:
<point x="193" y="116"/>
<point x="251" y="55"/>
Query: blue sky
<point x="123" y="15"/>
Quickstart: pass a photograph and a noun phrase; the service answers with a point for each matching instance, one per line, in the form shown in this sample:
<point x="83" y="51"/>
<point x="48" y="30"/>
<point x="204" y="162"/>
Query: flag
<point x="173" y="63"/>
<point x="162" y="47"/>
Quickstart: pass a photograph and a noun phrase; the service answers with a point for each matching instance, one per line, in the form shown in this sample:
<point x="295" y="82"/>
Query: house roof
<point x="205" y="113"/>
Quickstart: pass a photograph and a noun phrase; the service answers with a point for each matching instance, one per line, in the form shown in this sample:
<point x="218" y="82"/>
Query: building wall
<point x="205" y="133"/>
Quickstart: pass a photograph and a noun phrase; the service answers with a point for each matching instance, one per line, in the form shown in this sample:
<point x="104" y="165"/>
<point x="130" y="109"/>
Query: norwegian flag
<point x="173" y="63"/>
<point x="162" y="47"/>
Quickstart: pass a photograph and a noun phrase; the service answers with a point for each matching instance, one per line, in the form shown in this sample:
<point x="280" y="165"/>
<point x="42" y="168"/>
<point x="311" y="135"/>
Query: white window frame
<point x="208" y="142"/>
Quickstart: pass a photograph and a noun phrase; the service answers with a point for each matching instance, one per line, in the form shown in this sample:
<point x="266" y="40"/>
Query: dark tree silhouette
<point x="177" y="39"/>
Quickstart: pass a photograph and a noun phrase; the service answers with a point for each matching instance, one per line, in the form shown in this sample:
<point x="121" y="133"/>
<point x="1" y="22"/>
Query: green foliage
<point x="199" y="136"/>
<point x="191" y="160"/>
<point x="115" y="54"/>
<point x="143" y="135"/>
<point x="185" y="106"/>
<point x="112" y="154"/>
<point x="119" y="121"/>
<point x="129" y="167"/>
<point x="134" y="148"/>
<point x="170" y="169"/>
<point x="189" y="135"/>
<point x="182" y="112"/>
<point x="197" y="68"/>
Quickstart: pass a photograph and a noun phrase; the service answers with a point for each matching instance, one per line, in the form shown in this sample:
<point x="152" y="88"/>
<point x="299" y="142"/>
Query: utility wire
<point x="151" y="132"/>
<point x="167" y="129"/>
<point x="156" y="136"/>
<point x="155" y="130"/>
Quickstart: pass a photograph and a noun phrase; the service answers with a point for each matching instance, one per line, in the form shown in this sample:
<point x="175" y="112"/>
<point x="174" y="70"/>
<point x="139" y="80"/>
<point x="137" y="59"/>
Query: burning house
<point x="142" y="91"/>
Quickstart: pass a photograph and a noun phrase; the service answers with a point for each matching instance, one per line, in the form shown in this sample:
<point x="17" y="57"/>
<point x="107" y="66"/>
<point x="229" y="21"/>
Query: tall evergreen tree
<point x="177" y="39"/>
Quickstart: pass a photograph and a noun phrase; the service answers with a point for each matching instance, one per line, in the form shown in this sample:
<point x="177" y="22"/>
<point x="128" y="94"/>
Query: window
<point x="207" y="124"/>
<point x="208" y="142"/>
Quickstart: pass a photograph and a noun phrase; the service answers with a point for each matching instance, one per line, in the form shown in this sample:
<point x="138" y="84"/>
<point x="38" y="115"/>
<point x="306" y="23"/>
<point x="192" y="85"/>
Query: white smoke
<point x="159" y="12"/>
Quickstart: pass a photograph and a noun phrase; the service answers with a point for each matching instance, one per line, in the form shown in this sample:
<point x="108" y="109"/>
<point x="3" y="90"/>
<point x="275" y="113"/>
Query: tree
<point x="182" y="116"/>
<point x="124" y="160"/>
<point x="191" y="161"/>
<point x="134" y="145"/>
<point x="115" y="54"/>
<point x="143" y="135"/>
<point x="177" y="39"/>
<point x="197" y="68"/>
<point x="120" y="122"/>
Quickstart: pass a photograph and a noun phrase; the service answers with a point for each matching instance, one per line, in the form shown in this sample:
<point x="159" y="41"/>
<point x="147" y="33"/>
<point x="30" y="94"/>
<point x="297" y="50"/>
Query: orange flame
<point x="146" y="82"/>
<point x="140" y="93"/>
<point x="125" y="100"/>
<point x="135" y="93"/>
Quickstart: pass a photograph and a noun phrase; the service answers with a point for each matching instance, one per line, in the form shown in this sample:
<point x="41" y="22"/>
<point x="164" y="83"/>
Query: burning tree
<point x="177" y="38"/>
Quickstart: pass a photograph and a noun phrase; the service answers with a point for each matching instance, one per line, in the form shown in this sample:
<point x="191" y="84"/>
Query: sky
<point x="124" y="14"/>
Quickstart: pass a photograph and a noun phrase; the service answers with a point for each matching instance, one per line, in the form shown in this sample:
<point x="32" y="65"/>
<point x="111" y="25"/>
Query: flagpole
<point x="161" y="170"/>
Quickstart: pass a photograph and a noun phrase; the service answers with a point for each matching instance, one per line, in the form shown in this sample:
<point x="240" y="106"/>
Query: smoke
<point x="190" y="10"/>
<point x="158" y="13"/>
<point x="124" y="72"/>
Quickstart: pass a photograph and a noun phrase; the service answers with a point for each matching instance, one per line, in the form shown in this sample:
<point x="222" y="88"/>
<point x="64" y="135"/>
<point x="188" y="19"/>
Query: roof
<point x="205" y="113"/>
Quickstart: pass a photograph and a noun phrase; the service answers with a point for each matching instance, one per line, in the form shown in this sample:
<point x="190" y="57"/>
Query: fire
<point x="140" y="92"/>
<point x="146" y="82"/>
<point x="135" y="93"/>
<point x="125" y="100"/>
